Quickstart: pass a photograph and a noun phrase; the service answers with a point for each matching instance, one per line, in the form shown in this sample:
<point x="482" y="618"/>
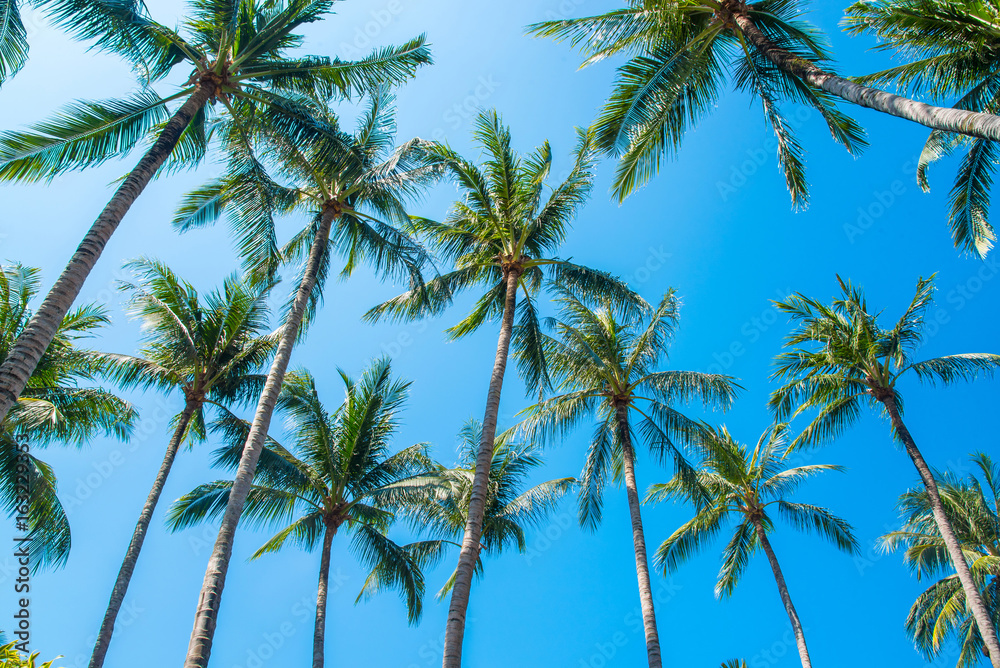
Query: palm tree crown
<point x="953" y="49"/>
<point x="58" y="405"/>
<point x="940" y="613"/>
<point x="510" y="508"/>
<point x="340" y="475"/>
<point x="839" y="357"/>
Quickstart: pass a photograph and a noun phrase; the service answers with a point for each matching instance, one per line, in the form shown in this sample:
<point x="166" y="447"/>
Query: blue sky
<point x="716" y="224"/>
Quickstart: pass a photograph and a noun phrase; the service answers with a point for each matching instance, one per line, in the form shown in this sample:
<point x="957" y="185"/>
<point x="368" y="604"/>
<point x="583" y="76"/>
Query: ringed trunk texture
<point x="36" y="337"/>
<point x="973" y="597"/>
<point x="200" y="647"/>
<point x="319" y="635"/>
<point x="971" y="123"/>
<point x="138" y="536"/>
<point x="793" y="617"/>
<point x="455" y="628"/>
<point x="639" y="542"/>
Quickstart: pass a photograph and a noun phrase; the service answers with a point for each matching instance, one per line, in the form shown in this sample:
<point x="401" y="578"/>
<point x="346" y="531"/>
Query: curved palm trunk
<point x="138" y="536"/>
<point x="973" y="597"/>
<point x="36" y="337"/>
<point x="455" y="629"/>
<point x="200" y="647"/>
<point x="639" y="542"/>
<point x="319" y="635"/>
<point x="793" y="617"/>
<point x="973" y="124"/>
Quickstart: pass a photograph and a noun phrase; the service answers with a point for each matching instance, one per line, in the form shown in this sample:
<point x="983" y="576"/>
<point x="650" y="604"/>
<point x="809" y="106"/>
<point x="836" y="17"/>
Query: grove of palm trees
<point x="555" y="333"/>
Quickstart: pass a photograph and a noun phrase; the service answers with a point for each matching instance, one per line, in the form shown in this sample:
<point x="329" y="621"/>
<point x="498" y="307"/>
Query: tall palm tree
<point x="605" y="365"/>
<point x="954" y="51"/>
<point x="341" y="474"/>
<point x="738" y="484"/>
<point x="940" y="613"/>
<point x="839" y="357"/>
<point x="238" y="50"/>
<point x="510" y="508"/>
<point x="353" y="188"/>
<point x="59" y="405"/>
<point x="681" y="55"/>
<point x="501" y="237"/>
<point x="210" y="349"/>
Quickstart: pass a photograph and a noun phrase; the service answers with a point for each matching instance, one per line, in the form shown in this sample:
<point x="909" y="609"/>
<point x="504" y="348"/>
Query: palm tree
<point x="239" y="53"/>
<point x="605" y="362"/>
<point x="737" y="483"/>
<point x="353" y="187"/>
<point x="345" y="476"/>
<point x="510" y="508"/>
<point x="501" y="237"/>
<point x="681" y="55"/>
<point x="209" y="349"/>
<point x="952" y="46"/>
<point x="58" y="405"/>
<point x="839" y="356"/>
<point x="940" y="612"/>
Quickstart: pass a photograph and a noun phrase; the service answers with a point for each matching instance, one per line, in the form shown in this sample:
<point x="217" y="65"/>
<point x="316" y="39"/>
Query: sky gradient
<point x="716" y="224"/>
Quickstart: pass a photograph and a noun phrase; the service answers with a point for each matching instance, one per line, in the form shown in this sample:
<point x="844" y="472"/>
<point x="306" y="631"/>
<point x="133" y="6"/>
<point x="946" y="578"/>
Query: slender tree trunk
<point x="455" y="629"/>
<point x="200" y="647"/>
<point x="639" y="542"/>
<point x="793" y="617"/>
<point x="36" y="337"/>
<point x="973" y="124"/>
<point x="973" y="597"/>
<point x="319" y="635"/>
<point x="138" y="536"/>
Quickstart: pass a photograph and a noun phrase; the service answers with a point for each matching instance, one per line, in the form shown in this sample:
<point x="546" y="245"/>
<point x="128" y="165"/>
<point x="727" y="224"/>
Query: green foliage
<point x="605" y="356"/>
<point x="510" y="508"/>
<point x="953" y="51"/>
<point x="838" y="358"/>
<point x="940" y="615"/>
<point x="59" y="404"/>
<point x="737" y="484"/>
<point x="11" y="658"/>
<point x="340" y="475"/>
<point x="681" y="55"/>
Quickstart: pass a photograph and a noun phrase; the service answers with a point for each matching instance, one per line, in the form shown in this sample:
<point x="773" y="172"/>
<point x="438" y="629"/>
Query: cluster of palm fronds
<point x="268" y="113"/>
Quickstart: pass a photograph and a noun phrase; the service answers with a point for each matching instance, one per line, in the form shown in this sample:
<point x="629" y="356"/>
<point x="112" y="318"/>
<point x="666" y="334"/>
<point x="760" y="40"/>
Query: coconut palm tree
<point x="353" y="188"/>
<point x="511" y="510"/>
<point x="738" y="484"/>
<point x="501" y="237"/>
<point x="953" y="49"/>
<point x="940" y="613"/>
<point x="210" y="349"/>
<point x="340" y="476"/>
<point x="839" y="357"/>
<point x="605" y="366"/>
<point x="238" y="50"/>
<point x="59" y="405"/>
<point x="681" y="55"/>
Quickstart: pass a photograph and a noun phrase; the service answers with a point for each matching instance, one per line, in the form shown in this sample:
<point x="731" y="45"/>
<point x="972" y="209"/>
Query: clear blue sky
<point x="717" y="225"/>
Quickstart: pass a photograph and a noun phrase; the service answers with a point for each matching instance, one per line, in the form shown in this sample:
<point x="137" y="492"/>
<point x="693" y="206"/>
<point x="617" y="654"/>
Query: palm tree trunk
<point x="455" y="628"/>
<point x="36" y="337"/>
<point x="973" y="597"/>
<point x="200" y="647"/>
<point x="138" y="536"/>
<point x="973" y="124"/>
<point x="639" y="542"/>
<point x="793" y="617"/>
<point x="319" y="635"/>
